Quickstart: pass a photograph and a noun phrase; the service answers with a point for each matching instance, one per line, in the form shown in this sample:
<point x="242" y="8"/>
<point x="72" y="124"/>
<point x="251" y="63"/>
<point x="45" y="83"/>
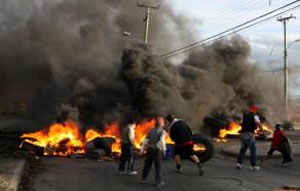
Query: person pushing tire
<point x="182" y="135"/>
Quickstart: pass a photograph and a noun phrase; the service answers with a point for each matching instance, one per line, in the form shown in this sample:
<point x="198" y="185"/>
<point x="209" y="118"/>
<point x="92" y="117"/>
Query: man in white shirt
<point x="127" y="149"/>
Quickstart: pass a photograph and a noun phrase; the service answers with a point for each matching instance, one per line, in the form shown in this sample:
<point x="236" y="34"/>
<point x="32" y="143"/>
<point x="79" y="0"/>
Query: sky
<point x="266" y="39"/>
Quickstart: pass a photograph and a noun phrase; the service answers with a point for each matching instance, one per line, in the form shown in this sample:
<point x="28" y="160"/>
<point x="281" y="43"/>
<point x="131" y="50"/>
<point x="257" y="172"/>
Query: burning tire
<point x="213" y="125"/>
<point x="206" y="146"/>
<point x="104" y="143"/>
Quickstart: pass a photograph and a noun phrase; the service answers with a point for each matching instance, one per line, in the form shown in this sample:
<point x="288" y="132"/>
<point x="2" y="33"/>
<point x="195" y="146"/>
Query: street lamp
<point x="126" y="33"/>
<point x="130" y="37"/>
<point x="286" y="72"/>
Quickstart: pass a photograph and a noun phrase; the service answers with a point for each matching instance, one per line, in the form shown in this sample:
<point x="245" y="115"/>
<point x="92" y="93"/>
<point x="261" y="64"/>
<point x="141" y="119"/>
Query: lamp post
<point x="286" y="71"/>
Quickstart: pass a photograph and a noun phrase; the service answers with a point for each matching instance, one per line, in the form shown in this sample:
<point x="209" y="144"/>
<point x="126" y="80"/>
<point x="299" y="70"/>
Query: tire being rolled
<point x="204" y="140"/>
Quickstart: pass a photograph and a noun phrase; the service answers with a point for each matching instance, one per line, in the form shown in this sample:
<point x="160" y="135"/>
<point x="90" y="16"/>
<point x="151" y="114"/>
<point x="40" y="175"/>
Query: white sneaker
<point x="160" y="184"/>
<point x="238" y="166"/>
<point x="256" y="168"/>
<point x="144" y="181"/>
<point x="132" y="172"/>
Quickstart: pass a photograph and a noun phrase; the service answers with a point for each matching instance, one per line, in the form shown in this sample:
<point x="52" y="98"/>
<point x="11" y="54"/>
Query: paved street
<point x="64" y="174"/>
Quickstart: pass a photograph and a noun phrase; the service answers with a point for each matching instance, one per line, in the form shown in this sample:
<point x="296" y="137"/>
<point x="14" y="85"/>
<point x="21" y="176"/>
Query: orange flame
<point x="199" y="147"/>
<point x="59" y="139"/>
<point x="142" y="130"/>
<point x="234" y="128"/>
<point x="113" y="130"/>
<point x="65" y="139"/>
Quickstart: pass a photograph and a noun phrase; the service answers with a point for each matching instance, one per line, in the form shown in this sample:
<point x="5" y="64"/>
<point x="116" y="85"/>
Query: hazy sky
<point x="266" y="39"/>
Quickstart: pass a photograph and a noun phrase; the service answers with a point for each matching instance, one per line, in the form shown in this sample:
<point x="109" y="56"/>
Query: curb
<point x="16" y="176"/>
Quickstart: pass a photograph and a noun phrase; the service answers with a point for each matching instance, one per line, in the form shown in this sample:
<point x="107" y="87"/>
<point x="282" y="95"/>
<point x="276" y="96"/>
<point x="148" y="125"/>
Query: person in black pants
<point x="155" y="141"/>
<point x="127" y="149"/>
<point x="281" y="143"/>
<point x="182" y="135"/>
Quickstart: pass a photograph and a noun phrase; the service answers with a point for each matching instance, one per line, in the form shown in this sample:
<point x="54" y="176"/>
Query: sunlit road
<point x="64" y="174"/>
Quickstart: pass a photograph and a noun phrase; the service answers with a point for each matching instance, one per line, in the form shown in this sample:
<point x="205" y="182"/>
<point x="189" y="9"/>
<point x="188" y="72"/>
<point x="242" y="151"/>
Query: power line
<point x="214" y="17"/>
<point x="193" y="45"/>
<point x="231" y="33"/>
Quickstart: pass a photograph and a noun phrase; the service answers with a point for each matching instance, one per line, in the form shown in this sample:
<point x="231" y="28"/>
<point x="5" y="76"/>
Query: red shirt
<point x="277" y="138"/>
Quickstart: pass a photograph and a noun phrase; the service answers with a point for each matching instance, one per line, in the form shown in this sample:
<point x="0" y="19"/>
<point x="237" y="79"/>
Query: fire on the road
<point x="234" y="129"/>
<point x="60" y="139"/>
<point x="63" y="139"/>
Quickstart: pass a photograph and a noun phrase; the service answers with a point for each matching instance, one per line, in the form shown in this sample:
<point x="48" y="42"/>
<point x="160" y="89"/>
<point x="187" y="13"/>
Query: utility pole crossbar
<point x="286" y="70"/>
<point x="146" y="19"/>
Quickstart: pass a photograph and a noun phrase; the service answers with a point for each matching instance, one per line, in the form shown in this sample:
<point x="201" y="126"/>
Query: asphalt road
<point x="65" y="174"/>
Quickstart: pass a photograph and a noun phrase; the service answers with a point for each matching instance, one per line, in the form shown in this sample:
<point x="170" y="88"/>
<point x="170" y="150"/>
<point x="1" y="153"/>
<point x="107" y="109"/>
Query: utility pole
<point x="146" y="18"/>
<point x="286" y="70"/>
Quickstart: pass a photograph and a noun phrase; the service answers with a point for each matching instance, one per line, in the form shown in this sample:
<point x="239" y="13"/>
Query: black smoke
<point x="71" y="59"/>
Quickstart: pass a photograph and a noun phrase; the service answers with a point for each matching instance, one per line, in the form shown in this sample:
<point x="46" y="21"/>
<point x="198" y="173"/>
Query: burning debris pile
<point x="233" y="129"/>
<point x="64" y="139"/>
<point x="222" y="130"/>
<point x="60" y="139"/>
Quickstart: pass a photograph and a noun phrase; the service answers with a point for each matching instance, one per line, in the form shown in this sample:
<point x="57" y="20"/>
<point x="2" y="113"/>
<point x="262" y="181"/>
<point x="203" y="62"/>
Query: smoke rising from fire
<point x="70" y="56"/>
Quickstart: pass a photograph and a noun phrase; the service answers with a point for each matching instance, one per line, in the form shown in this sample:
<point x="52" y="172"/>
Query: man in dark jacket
<point x="249" y="124"/>
<point x="182" y="135"/>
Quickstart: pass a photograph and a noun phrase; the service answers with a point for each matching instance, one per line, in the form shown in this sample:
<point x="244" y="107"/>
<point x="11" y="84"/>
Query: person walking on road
<point x="250" y="122"/>
<point x="182" y="135"/>
<point x="127" y="149"/>
<point x="156" y="148"/>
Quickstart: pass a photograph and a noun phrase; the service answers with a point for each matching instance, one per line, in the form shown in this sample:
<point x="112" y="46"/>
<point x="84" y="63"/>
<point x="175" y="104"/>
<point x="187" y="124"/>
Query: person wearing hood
<point x="280" y="143"/>
<point x="182" y="135"/>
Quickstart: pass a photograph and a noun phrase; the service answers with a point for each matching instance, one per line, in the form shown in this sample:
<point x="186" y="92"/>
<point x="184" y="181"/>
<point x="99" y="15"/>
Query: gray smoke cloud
<point x="215" y="80"/>
<point x="70" y="56"/>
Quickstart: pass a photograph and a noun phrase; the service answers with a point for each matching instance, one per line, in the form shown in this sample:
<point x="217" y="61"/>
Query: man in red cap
<point x="249" y="125"/>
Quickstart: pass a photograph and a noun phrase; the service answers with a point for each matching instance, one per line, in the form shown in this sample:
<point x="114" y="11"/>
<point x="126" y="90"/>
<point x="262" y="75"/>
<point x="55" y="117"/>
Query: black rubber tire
<point x="213" y="125"/>
<point x="104" y="143"/>
<point x="204" y="156"/>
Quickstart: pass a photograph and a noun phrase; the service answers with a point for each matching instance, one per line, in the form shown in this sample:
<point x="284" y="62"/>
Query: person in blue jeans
<point x="127" y="149"/>
<point x="156" y="148"/>
<point x="249" y="124"/>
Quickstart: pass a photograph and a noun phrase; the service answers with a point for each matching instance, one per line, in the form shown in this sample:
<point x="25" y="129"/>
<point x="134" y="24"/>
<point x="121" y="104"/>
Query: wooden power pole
<point x="147" y="18"/>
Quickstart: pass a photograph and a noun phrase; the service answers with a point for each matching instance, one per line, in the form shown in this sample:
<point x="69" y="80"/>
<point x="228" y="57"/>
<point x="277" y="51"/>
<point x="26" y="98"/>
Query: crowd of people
<point x="154" y="146"/>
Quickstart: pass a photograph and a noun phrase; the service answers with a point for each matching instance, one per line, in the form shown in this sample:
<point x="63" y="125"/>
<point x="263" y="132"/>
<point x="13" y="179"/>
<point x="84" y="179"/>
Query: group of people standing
<point x="154" y="147"/>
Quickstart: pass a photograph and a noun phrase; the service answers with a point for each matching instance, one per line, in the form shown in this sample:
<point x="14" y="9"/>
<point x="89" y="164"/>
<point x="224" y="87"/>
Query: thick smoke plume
<point x="217" y="80"/>
<point x="70" y="59"/>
